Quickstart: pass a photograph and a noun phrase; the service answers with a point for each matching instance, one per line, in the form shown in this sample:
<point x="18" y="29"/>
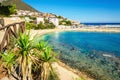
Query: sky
<point x="81" y="10"/>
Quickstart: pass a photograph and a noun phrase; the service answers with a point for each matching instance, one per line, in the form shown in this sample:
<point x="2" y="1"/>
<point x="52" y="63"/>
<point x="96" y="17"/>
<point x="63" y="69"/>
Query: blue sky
<point x="82" y="10"/>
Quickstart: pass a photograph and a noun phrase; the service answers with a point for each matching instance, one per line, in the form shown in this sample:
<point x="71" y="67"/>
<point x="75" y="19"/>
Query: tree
<point x="46" y="58"/>
<point x="29" y="54"/>
<point x="65" y="22"/>
<point x="8" y="61"/>
<point x="12" y="9"/>
<point x="25" y="55"/>
<point x="40" y="26"/>
<point x="7" y="10"/>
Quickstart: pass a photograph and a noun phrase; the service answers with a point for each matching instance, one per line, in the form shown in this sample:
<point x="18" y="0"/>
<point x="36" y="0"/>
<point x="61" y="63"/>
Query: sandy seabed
<point x="67" y="73"/>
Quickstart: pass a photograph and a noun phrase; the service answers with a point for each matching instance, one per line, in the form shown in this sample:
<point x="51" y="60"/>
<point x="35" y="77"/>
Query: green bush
<point x="7" y="10"/>
<point x="49" y="26"/>
<point x="33" y="18"/>
<point x="45" y="26"/>
<point x="65" y="22"/>
<point x="40" y="26"/>
<point x="12" y="9"/>
<point x="30" y="26"/>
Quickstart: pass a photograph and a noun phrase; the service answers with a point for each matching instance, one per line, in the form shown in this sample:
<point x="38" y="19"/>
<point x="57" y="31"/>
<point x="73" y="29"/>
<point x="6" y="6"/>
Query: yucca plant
<point x="25" y="55"/>
<point x="8" y="60"/>
<point x="46" y="57"/>
<point x="41" y="45"/>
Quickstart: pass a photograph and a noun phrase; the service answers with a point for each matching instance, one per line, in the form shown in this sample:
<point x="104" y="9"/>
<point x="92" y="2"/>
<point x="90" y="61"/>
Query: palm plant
<point x="46" y="57"/>
<point x="41" y="45"/>
<point x="25" y="55"/>
<point x="8" y="61"/>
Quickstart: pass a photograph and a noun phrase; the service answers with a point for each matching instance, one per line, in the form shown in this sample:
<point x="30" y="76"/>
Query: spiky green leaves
<point x="24" y="43"/>
<point x="8" y="59"/>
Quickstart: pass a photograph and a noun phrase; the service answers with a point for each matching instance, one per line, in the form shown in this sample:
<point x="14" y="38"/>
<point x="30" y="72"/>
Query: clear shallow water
<point x="95" y="53"/>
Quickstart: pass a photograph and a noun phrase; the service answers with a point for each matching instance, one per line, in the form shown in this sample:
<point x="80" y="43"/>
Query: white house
<point x="54" y="20"/>
<point x="39" y="19"/>
<point x="75" y="22"/>
<point x="27" y="19"/>
<point x="31" y="13"/>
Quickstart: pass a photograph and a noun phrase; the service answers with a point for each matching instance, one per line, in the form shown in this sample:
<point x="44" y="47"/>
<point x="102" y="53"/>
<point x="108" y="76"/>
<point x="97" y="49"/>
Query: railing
<point x="11" y="29"/>
<point x="2" y="22"/>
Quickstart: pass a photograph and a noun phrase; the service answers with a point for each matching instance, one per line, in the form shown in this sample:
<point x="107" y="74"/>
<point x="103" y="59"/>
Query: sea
<point x="102" y="24"/>
<point x="95" y="53"/>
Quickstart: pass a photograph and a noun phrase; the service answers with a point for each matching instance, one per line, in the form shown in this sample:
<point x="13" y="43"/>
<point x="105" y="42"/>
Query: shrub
<point x="40" y="26"/>
<point x="30" y="26"/>
<point x="12" y="9"/>
<point x="49" y="26"/>
<point x="45" y="26"/>
<point x="7" y="10"/>
<point x="65" y="22"/>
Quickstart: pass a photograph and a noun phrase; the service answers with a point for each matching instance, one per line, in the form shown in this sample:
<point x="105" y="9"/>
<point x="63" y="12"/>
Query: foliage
<point x="23" y="43"/>
<point x="33" y="18"/>
<point x="29" y="57"/>
<point x="46" y="57"/>
<point x="60" y="17"/>
<point x="7" y="10"/>
<point x="46" y="25"/>
<point x="31" y="26"/>
<point x="8" y="60"/>
<point x="12" y="9"/>
<point x="46" y="21"/>
<point x="24" y="55"/>
<point x="40" y="26"/>
<point x="65" y="22"/>
<point x="20" y="5"/>
<point x="49" y="26"/>
<point x="53" y="76"/>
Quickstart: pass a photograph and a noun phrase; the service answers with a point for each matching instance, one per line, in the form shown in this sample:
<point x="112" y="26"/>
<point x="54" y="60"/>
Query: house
<point x="30" y="13"/>
<point x="75" y="23"/>
<point x="39" y="19"/>
<point x="27" y="19"/>
<point x="54" y="20"/>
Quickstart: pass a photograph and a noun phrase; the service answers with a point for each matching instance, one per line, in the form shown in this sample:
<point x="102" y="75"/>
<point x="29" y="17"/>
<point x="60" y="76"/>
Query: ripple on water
<point x="97" y="54"/>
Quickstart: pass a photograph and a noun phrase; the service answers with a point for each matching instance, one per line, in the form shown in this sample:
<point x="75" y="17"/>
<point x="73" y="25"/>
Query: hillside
<point x="19" y="4"/>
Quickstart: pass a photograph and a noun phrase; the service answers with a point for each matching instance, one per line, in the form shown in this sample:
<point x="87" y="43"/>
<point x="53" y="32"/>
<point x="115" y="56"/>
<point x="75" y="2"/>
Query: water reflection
<point x="96" y="54"/>
<point x="56" y="35"/>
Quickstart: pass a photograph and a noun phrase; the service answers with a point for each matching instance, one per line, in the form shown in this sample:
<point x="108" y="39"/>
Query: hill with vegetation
<point x="20" y="5"/>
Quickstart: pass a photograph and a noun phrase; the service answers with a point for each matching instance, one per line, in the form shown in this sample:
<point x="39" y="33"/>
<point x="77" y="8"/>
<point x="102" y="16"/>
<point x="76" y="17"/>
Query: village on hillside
<point x="37" y="18"/>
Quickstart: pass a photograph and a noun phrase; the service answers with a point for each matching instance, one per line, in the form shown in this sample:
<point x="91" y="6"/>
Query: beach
<point x="63" y="71"/>
<point x="60" y="40"/>
<point x="83" y="29"/>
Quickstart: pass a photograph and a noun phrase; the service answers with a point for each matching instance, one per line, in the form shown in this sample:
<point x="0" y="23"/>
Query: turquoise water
<point x="95" y="53"/>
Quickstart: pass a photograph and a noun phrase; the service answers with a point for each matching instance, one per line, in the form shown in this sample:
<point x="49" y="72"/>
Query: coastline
<point x="82" y="75"/>
<point x="84" y="29"/>
<point x="66" y="69"/>
<point x="62" y="66"/>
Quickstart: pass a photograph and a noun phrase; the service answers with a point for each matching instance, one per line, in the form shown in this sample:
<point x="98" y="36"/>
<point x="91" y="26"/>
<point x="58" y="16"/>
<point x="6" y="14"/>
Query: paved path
<point x="65" y="74"/>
